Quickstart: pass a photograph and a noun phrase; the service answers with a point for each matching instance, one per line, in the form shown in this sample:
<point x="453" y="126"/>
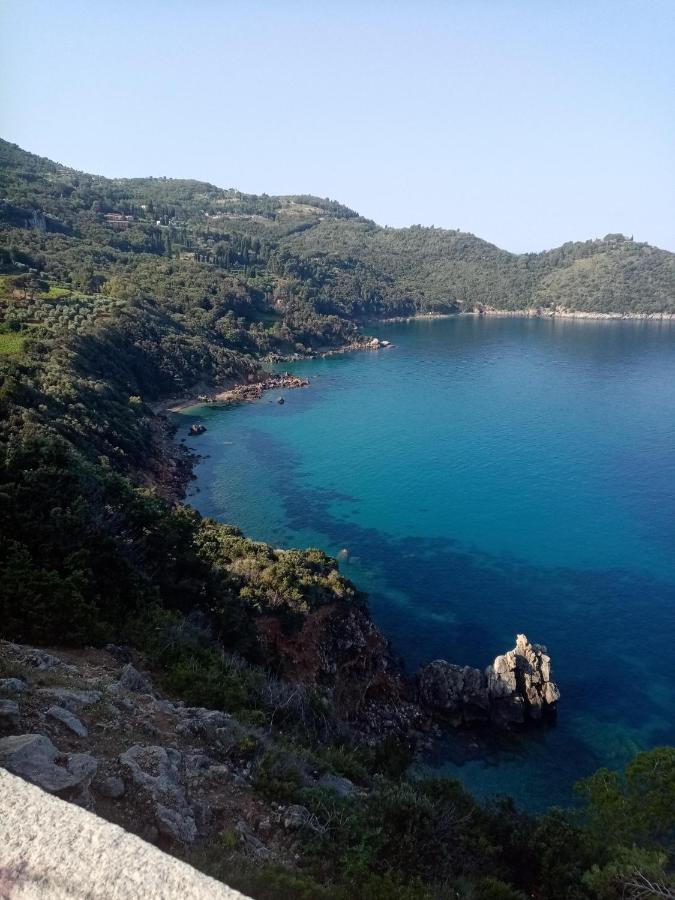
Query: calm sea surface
<point x="487" y="477"/>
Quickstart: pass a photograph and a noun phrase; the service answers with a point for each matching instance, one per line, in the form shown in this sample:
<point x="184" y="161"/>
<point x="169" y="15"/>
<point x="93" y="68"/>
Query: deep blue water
<point x="487" y="476"/>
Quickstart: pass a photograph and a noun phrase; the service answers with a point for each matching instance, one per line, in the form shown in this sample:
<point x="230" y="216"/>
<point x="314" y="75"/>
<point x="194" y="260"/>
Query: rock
<point x="70" y="699"/>
<point x="254" y="846"/>
<point x="519" y="684"/>
<point x="32" y="756"/>
<point x="112" y="787"/>
<point x="202" y="722"/>
<point x="196" y="763"/>
<point x="458" y="693"/>
<point x="9" y="716"/>
<point x="38" y="659"/>
<point x="516" y="688"/>
<point x="83" y="767"/>
<point x="175" y="825"/>
<point x="133" y="680"/>
<point x="343" y="787"/>
<point x="157" y="770"/>
<point x="296" y="816"/>
<point x="280" y="401"/>
<point x="68" y="719"/>
<point x="12" y="686"/>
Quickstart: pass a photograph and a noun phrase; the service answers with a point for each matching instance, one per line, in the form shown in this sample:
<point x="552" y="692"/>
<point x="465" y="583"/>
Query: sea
<point x="486" y="477"/>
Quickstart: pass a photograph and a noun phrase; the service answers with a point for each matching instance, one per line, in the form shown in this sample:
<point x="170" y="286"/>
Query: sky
<point x="526" y="122"/>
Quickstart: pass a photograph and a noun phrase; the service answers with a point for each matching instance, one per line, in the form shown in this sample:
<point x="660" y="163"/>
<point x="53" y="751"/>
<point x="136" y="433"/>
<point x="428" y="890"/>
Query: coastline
<point x="536" y="312"/>
<point x="249" y="391"/>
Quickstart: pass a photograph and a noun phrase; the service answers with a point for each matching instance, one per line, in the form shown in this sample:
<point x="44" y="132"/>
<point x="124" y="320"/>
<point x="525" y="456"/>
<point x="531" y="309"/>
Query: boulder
<point x="176" y="825"/>
<point x="69" y="719"/>
<point x="12" y="686"/>
<point x="157" y="771"/>
<point x="133" y="680"/>
<point x="32" y="756"/>
<point x="70" y="699"/>
<point x="9" y="716"/>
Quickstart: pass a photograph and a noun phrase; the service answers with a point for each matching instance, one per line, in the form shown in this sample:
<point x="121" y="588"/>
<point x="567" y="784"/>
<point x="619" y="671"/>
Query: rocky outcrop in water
<point x="517" y="688"/>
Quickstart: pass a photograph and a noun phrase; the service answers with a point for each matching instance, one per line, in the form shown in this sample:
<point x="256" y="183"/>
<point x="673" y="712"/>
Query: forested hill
<point x="301" y="255"/>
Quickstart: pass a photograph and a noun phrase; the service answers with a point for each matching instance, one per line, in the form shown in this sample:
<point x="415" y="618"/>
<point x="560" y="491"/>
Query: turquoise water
<point x="487" y="476"/>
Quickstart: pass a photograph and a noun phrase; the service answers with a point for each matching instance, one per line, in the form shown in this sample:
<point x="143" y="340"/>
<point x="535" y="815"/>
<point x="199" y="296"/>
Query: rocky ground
<point x="89" y="726"/>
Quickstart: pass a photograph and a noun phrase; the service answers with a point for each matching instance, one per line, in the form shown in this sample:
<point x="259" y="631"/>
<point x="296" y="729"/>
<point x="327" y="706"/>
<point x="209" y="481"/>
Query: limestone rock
<point x="69" y="719"/>
<point x="519" y="683"/>
<point x="9" y="716"/>
<point x="133" y="680"/>
<point x="515" y="689"/>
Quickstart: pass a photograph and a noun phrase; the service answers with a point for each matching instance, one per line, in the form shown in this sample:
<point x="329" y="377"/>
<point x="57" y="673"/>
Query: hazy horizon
<point x="525" y="126"/>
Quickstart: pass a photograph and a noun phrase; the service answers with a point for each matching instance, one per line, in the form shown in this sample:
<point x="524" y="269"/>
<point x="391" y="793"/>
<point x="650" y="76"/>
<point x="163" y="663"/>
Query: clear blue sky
<point x="528" y="123"/>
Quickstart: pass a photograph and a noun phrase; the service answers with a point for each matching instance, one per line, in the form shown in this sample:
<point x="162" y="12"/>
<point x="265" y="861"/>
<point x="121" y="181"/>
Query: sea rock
<point x="457" y="693"/>
<point x="9" y="716"/>
<point x="519" y="684"/>
<point x="515" y="689"/>
<point x="133" y="680"/>
<point x="69" y="719"/>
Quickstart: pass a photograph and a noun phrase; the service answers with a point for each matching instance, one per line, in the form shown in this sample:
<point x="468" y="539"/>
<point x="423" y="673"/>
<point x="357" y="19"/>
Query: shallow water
<point x="487" y="476"/>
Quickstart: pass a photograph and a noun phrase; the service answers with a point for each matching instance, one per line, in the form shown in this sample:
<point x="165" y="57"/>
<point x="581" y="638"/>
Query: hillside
<point x="301" y="254"/>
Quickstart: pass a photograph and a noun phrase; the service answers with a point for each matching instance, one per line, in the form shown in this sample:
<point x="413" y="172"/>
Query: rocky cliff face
<point x="517" y="688"/>
<point x="338" y="647"/>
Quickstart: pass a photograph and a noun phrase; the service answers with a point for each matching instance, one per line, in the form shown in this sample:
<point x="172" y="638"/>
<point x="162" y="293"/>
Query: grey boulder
<point x="69" y="719"/>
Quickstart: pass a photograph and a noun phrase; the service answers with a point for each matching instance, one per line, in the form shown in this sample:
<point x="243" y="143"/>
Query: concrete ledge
<point x="54" y="850"/>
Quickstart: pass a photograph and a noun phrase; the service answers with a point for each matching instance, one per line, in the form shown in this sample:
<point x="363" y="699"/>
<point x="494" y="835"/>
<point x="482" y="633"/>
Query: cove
<point x="487" y="476"/>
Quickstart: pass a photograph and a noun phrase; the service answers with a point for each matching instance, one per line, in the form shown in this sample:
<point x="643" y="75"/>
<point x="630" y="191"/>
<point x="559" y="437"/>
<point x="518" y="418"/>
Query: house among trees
<point x="117" y="220"/>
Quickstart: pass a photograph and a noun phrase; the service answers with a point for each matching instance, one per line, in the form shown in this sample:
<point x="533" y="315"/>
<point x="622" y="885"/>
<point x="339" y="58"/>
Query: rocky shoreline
<point x="537" y="312"/>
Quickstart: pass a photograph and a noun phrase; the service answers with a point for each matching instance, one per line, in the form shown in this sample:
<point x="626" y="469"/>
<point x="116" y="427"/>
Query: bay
<point x="487" y="476"/>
